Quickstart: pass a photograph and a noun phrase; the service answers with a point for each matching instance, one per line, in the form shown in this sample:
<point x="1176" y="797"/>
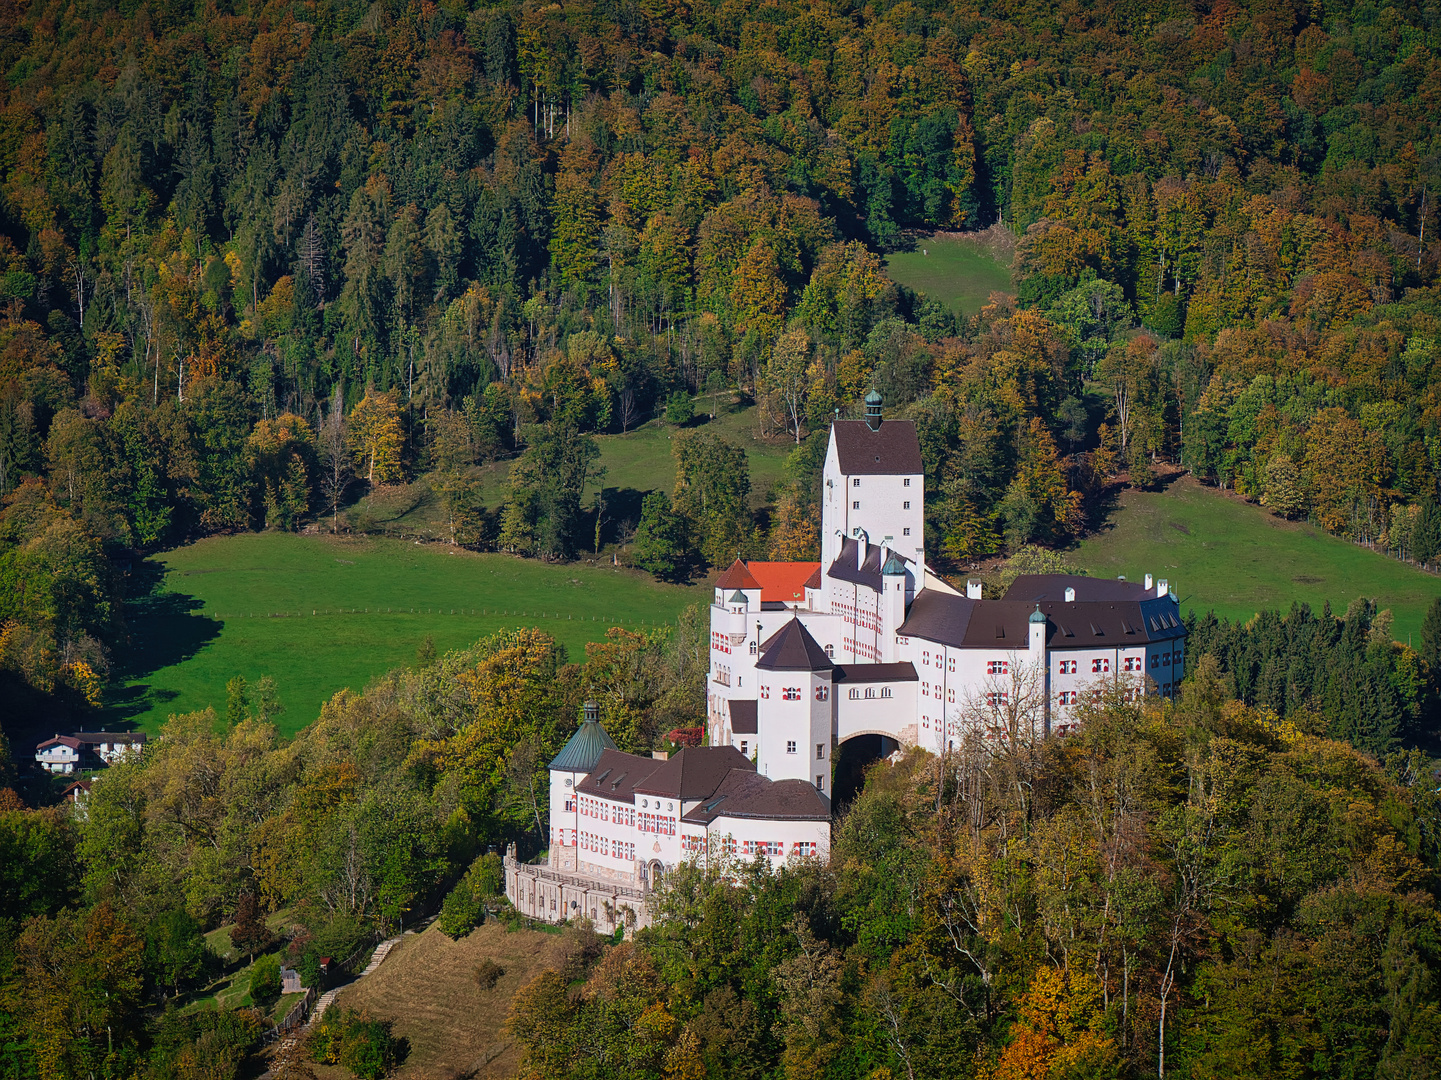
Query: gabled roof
<point x="95" y="738"/>
<point x="693" y="772"/>
<point x="743" y="717"/>
<point x="60" y="740"/>
<point x="615" y="775"/>
<point x="814" y="581"/>
<point x="737" y="577"/>
<point x="1054" y="586"/>
<point x="893" y="449"/>
<point x="791" y="648"/>
<point x="783" y="582"/>
<point x="1005" y="624"/>
<point x="583" y="749"/>
<point x="747" y="795"/>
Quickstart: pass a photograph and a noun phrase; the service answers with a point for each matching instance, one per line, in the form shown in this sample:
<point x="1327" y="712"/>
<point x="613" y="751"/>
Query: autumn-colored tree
<point x="375" y="437"/>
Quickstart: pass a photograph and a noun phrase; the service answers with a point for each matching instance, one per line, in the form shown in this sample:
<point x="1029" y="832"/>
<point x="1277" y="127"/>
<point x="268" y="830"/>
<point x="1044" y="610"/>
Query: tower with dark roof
<point x="794" y="709"/>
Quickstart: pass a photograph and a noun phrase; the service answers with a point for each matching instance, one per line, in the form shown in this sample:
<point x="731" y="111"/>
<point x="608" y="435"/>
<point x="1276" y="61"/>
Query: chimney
<point x="1162" y="588"/>
<point x="1148" y="582"/>
<point x="1070" y="594"/>
<point x="873" y="411"/>
<point x="861" y="545"/>
<point x="592" y="711"/>
<point x="973" y="590"/>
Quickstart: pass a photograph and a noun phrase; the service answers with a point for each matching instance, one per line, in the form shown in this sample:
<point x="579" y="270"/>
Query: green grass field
<point x="319" y="614"/>
<point x="1224" y="555"/>
<point x="958" y="272"/>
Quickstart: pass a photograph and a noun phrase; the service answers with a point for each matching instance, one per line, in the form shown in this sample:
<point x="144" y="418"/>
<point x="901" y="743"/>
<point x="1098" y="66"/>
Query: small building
<point x="290" y="981"/>
<point x="66" y="754"/>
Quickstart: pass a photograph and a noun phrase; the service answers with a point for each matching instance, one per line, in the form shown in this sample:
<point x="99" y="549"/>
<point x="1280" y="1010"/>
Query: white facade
<point x="937" y="660"/>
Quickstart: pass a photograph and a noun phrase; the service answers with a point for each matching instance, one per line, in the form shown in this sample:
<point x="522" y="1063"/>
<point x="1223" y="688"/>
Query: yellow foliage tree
<point x="375" y="437"/>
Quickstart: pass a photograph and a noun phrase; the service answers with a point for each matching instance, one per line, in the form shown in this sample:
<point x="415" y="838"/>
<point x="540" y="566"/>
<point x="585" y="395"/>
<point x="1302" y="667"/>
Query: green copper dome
<point x="584" y="748"/>
<point x="894" y="566"/>
<point x="1036" y="616"/>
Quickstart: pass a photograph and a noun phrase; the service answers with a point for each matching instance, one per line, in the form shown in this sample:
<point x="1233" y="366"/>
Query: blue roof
<point x="583" y="749"/>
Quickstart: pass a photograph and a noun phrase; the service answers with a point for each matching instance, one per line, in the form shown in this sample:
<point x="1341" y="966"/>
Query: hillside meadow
<point x="1225" y="555"/>
<point x="318" y="614"/>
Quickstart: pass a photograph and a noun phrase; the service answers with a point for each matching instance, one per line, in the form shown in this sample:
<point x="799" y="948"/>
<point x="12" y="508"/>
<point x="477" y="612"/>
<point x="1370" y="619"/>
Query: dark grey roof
<point x="583" y="749"/>
<point x="616" y="774"/>
<point x="95" y="738"/>
<point x="863" y="673"/>
<point x="791" y="648"/>
<point x="1053" y="587"/>
<point x="743" y="717"/>
<point x="693" y="772"/>
<point x="892" y="449"/>
<point x="1005" y="624"/>
<point x="747" y="795"/>
<point x="869" y="572"/>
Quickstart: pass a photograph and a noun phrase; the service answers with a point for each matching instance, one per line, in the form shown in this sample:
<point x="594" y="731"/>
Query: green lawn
<point x="958" y="272"/>
<point x="1224" y="555"/>
<point x="319" y="614"/>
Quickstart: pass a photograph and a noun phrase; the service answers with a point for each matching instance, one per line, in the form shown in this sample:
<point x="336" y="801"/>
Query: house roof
<point x="60" y="740"/>
<point x="1005" y="624"/>
<point x="95" y="738"/>
<point x="583" y="749"/>
<point x="814" y="581"/>
<point x="737" y="577"/>
<point x="867" y="673"/>
<point x="791" y="648"/>
<point x="743" y="717"/>
<point x="868" y="573"/>
<point x="893" y="449"/>
<point x="744" y="795"/>
<point x="693" y="772"/>
<point x="1088" y="589"/>
<point x="783" y="582"/>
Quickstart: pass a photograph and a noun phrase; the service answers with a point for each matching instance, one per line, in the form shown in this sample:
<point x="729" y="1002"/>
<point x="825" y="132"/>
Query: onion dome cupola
<point x="583" y="749"/>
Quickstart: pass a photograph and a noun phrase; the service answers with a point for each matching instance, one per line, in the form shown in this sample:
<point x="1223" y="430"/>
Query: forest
<point x="260" y="257"/>
<point x="1186" y="887"/>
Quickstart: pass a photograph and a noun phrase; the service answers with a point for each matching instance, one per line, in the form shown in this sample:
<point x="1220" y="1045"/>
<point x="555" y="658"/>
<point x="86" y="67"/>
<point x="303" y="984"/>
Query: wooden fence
<point x="298" y="1014"/>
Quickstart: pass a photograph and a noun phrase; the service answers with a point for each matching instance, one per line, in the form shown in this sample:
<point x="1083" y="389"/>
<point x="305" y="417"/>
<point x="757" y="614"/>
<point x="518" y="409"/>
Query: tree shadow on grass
<point x="163" y="630"/>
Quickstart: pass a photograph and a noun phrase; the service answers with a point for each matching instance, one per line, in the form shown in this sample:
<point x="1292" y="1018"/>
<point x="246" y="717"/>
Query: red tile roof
<point x="784" y="582"/>
<point x="737" y="577"/>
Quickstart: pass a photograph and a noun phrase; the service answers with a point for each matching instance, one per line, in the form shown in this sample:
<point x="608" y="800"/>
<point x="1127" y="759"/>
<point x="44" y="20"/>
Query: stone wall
<point x="540" y="892"/>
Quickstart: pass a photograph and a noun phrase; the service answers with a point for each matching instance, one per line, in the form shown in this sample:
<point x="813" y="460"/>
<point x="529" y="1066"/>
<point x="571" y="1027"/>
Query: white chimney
<point x="1070" y="594"/>
<point x="860" y="551"/>
<point x="973" y="590"/>
<point x="1148" y="582"/>
<point x="1162" y="588"/>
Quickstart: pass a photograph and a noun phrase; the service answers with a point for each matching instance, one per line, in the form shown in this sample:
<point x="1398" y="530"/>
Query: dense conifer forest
<point x="256" y="259"/>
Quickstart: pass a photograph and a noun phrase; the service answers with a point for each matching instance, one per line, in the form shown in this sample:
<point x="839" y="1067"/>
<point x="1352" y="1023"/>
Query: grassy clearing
<point x="427" y="986"/>
<point x="319" y="614"/>
<point x="1228" y="556"/>
<point x="961" y="271"/>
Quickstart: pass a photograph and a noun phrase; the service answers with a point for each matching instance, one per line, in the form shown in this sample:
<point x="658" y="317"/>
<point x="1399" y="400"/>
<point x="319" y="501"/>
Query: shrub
<point x="359" y="1043"/>
<point x="487" y="973"/>
<point x="461" y="912"/>
<point x="265" y="980"/>
<point x="679" y="409"/>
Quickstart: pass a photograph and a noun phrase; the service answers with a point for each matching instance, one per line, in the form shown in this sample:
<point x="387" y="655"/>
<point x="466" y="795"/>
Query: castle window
<point x="1133" y="663"/>
<point x="856" y="482"/>
<point x="1068" y="697"/>
<point x="906" y="532"/>
<point x="1068" y="667"/>
<point x="745" y="747"/>
<point x="855" y="693"/>
<point x="831" y="651"/>
<point x="951" y="664"/>
<point x="791" y="747"/>
<point x="870" y="691"/>
<point x="755" y="647"/>
<point x="820" y="751"/>
<point x="856" y="505"/>
<point x="820" y="783"/>
<point x="998" y="667"/>
<point x="823" y="693"/>
<point x="791" y="693"/>
<point x="906" y="505"/>
<point x="906" y="482"/>
<point x="1000" y="699"/>
<point x="885" y="691"/>
<point x="1100" y="666"/>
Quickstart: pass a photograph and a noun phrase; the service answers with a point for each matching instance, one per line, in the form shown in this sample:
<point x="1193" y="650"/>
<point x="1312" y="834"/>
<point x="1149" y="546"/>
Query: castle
<point x="807" y="656"/>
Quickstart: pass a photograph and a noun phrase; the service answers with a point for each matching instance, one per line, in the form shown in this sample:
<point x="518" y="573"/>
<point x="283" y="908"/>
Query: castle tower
<point x="795" y="708"/>
<point x="567" y="769"/>
<point x="893" y="606"/>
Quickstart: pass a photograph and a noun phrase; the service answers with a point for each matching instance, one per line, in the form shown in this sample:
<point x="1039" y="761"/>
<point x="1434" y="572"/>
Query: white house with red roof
<point x="871" y="641"/>
<point x="67" y="754"/>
